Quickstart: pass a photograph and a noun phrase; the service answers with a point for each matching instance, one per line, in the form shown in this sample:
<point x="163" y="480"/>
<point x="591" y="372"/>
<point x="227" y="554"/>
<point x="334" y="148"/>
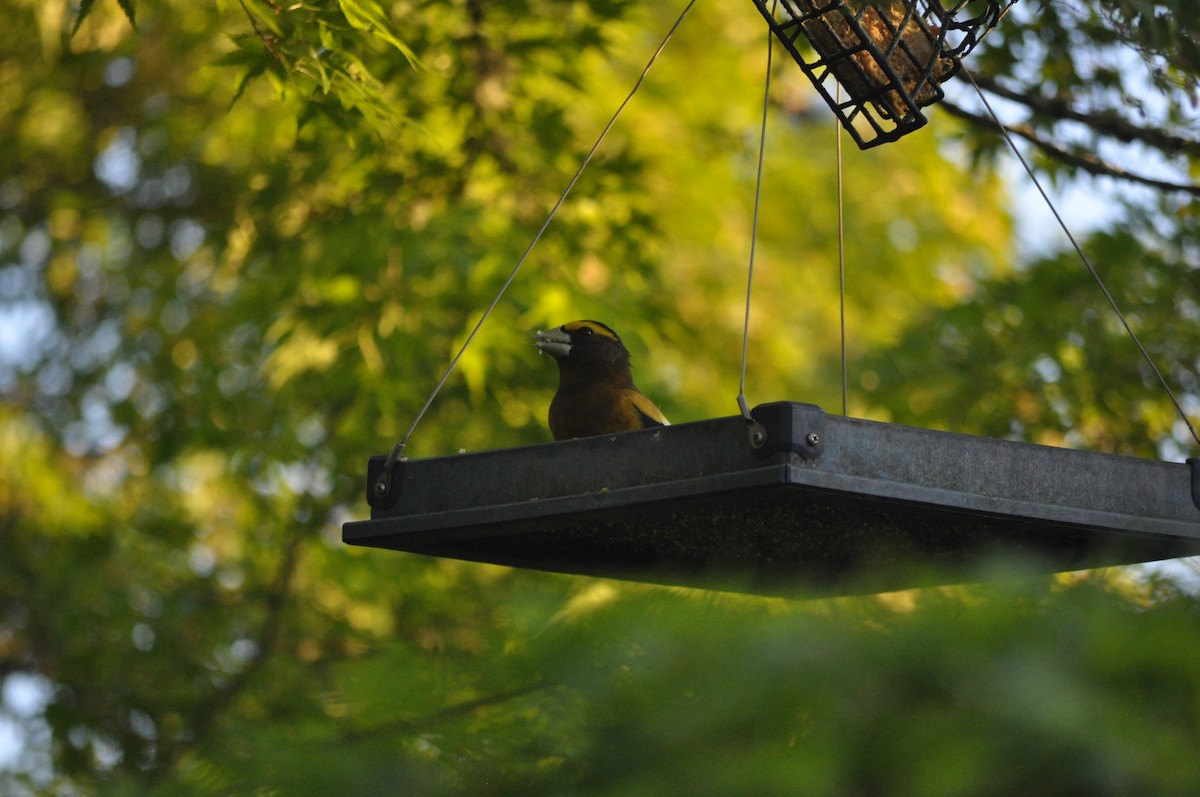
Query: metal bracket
<point x="754" y="430"/>
<point x="788" y="427"/>
<point x="383" y="479"/>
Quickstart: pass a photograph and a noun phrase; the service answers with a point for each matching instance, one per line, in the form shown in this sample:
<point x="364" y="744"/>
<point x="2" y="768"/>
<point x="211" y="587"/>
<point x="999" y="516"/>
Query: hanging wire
<point x="841" y="226"/>
<point x="743" y="404"/>
<point x="398" y="450"/>
<point x="1086" y="262"/>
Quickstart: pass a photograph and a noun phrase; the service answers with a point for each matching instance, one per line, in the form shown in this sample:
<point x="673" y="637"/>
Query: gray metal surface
<point x="829" y="503"/>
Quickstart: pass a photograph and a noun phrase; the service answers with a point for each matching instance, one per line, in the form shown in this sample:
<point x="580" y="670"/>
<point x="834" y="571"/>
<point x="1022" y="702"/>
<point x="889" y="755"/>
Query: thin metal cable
<point x="1086" y="262"/>
<point x="743" y="404"/>
<point x="399" y="447"/>
<point x="841" y="251"/>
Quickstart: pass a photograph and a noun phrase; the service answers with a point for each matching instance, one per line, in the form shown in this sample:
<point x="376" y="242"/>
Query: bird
<point x="596" y="394"/>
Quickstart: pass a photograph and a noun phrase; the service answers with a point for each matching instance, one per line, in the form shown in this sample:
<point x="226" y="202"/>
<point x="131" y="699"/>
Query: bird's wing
<point x="649" y="414"/>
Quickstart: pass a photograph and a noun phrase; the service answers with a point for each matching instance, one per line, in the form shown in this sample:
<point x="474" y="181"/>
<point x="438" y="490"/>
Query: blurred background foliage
<point x="239" y="243"/>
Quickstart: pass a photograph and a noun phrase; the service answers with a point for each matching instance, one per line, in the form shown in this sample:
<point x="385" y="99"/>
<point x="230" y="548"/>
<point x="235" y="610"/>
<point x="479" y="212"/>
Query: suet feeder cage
<point x="890" y="57"/>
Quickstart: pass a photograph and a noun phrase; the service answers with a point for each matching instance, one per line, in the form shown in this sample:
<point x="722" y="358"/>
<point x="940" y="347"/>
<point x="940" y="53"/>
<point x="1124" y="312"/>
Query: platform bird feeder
<point x="889" y="56"/>
<point x="801" y="502"/>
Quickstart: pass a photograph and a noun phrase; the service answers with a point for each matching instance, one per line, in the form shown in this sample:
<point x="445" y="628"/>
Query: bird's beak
<point x="555" y="342"/>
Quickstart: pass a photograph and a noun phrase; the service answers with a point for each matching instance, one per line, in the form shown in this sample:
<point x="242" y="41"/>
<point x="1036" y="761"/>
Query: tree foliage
<point x="237" y="248"/>
<point x="1108" y="88"/>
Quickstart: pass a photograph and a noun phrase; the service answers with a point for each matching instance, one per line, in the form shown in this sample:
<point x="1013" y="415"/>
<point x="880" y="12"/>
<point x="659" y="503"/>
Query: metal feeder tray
<point x="890" y="56"/>
<point x="800" y="501"/>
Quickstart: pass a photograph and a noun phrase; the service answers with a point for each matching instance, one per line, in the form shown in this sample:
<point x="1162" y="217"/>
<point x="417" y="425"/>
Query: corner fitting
<point x="383" y="481"/>
<point x="787" y="427"/>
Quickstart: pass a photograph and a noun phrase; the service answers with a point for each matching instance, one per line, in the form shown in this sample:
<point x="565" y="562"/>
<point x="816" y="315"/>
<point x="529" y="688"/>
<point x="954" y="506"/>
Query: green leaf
<point x="128" y="7"/>
<point x="85" y="8"/>
<point x="247" y="77"/>
<point x="240" y="57"/>
<point x="263" y="15"/>
<point x="369" y="17"/>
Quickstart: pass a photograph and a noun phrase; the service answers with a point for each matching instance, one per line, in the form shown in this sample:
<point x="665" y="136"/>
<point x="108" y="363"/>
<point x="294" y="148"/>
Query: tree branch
<point x="1087" y="162"/>
<point x="446" y="714"/>
<point x="275" y="601"/>
<point x="267" y="39"/>
<point x="1108" y="123"/>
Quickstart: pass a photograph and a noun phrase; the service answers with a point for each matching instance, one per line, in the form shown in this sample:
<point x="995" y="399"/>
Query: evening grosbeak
<point x="596" y="394"/>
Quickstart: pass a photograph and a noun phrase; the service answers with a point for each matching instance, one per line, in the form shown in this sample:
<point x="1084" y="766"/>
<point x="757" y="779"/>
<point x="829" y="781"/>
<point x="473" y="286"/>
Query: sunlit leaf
<point x="129" y="7"/>
<point x="368" y="16"/>
<point x="264" y="15"/>
<point x="85" y="8"/>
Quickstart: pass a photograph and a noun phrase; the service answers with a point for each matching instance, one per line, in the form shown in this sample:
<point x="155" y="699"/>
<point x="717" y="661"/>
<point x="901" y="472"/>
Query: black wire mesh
<point x="889" y="56"/>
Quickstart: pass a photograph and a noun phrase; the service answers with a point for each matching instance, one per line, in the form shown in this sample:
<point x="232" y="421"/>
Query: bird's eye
<point x="585" y="331"/>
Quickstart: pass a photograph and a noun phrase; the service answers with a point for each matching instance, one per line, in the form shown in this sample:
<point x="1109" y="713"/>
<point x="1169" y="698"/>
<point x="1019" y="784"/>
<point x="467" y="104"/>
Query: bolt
<point x="381" y="488"/>
<point x="813" y="439"/>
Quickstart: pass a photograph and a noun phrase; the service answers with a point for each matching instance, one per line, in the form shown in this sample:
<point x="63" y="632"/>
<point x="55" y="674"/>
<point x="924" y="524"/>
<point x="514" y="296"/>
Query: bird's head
<point x="587" y="344"/>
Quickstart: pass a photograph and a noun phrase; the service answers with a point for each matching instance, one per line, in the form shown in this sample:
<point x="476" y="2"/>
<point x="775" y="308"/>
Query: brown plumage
<point x="596" y="394"/>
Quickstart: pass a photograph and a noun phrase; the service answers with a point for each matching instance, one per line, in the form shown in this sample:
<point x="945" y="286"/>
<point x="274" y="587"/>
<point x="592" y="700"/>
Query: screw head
<point x="813" y="439"/>
<point x="381" y="488"/>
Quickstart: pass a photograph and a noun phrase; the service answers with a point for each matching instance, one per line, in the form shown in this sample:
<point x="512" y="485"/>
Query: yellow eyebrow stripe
<point x="595" y="326"/>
